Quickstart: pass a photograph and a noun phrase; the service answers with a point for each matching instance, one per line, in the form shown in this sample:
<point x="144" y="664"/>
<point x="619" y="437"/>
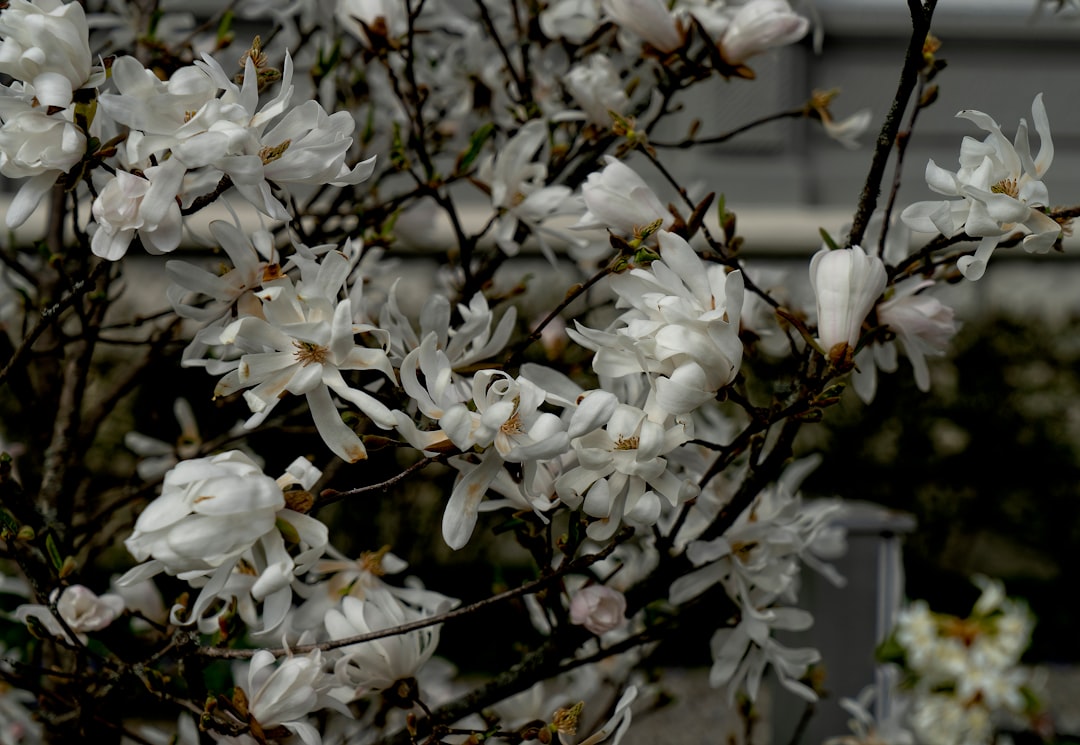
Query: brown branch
<point x="909" y="76"/>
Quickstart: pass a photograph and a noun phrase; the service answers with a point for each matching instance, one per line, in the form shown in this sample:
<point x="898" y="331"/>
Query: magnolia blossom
<point x="924" y="325"/>
<point x="650" y="20"/>
<point x="46" y="43"/>
<point x="595" y="86"/>
<point x="682" y="326"/>
<point x="300" y="344"/>
<point x="740" y="654"/>
<point x="760" y="25"/>
<point x="80" y="608"/>
<point x="622" y="475"/>
<point x="507" y="421"/>
<point x="37" y="145"/>
<point x="846" y="283"/>
<point x="286" y="694"/>
<point x="1001" y="190"/>
<point x="618" y="199"/>
<point x="210" y="511"/>
<point x="144" y="204"/>
<point x="598" y="608"/>
<point x="380" y="664"/>
<point x="214" y="513"/>
<point x="517" y="183"/>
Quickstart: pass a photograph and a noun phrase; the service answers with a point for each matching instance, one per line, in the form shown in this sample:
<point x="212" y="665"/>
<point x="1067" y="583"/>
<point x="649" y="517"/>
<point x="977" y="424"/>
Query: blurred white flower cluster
<point x="963" y="674"/>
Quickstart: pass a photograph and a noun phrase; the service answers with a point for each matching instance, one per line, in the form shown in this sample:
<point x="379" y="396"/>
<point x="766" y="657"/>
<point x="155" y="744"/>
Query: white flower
<point x="210" y="511"/>
<point x="159" y="456"/>
<point x="621" y="474"/>
<point x="517" y="183"/>
<point x="37" y="145"/>
<point x="650" y="20"/>
<point x="80" y="608"/>
<point x="217" y="292"/>
<point x="616" y="727"/>
<point x="146" y="204"/>
<point x="285" y="695"/>
<point x="924" y="325"/>
<point x="214" y="513"/>
<point x="378" y="665"/>
<point x="846" y="283"/>
<point x="1001" y="189"/>
<point x="598" y="608"/>
<point x="760" y="25"/>
<point x="300" y="345"/>
<point x="308" y="146"/>
<point x="618" y="199"/>
<point x="572" y="20"/>
<point x="682" y="326"/>
<point x="595" y="86"/>
<point x="46" y="43"/>
<point x="740" y="654"/>
<point x="507" y="422"/>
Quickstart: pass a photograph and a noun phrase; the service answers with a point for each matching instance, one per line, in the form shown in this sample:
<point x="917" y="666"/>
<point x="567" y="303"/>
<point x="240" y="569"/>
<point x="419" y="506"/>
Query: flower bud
<point x="598" y="608"/>
<point x="846" y="282"/>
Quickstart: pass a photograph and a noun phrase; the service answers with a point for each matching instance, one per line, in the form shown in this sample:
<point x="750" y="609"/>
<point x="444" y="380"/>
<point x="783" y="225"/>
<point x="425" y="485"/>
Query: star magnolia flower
<point x="740" y="654"/>
<point x="595" y="87"/>
<point x="286" y="694"/>
<point x="380" y="664"/>
<point x="846" y="282"/>
<point x="47" y="44"/>
<point x="760" y="25"/>
<point x="301" y="345"/>
<point x="618" y="199"/>
<point x="621" y="474"/>
<point x="210" y="511"/>
<point x="37" y="145"/>
<point x="507" y="422"/>
<point x="924" y="326"/>
<point x="144" y="204"/>
<point x="649" y="20"/>
<point x="81" y="609"/>
<point x="517" y="187"/>
<point x="1001" y="189"/>
<point x="598" y="608"/>
<point x="213" y="513"/>
<point x="682" y="326"/>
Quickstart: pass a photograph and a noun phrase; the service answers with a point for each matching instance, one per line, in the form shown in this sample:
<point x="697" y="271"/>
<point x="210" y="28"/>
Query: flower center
<point x="1006" y="186"/>
<point x="307" y="353"/>
<point x="512" y="426"/>
<point x="271" y="153"/>
<point x="627" y="443"/>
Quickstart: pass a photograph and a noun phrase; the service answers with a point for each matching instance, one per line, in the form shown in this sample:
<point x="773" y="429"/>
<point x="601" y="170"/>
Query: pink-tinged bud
<point x="846" y="282"/>
<point x="598" y="608"/>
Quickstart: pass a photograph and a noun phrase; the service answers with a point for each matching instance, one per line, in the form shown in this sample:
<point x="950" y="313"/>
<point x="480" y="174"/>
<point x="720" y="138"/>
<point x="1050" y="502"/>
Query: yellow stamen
<point x="307" y="353"/>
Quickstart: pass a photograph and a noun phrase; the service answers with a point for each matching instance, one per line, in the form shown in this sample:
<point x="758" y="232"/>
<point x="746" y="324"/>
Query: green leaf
<point x="832" y="244"/>
<point x="225" y="26"/>
<point x="53" y="551"/>
<point x="476" y="144"/>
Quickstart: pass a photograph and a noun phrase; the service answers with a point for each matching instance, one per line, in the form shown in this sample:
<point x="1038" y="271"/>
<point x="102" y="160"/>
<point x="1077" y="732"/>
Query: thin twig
<point x="909" y="76"/>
